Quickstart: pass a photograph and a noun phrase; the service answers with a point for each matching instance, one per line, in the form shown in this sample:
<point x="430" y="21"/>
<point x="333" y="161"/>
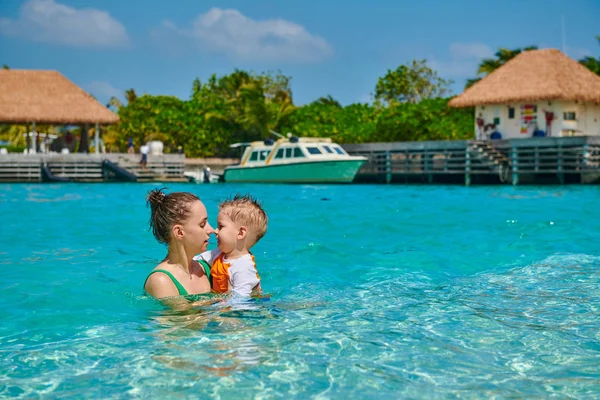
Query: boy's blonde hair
<point x="247" y="211"/>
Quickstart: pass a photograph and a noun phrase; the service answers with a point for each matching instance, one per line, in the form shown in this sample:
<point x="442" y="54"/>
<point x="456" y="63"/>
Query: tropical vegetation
<point x="409" y="104"/>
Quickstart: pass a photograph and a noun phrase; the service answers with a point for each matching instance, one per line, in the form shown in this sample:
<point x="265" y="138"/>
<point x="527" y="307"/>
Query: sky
<point x="328" y="47"/>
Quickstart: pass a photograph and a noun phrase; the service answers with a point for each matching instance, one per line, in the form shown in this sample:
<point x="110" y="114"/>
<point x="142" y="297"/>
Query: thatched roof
<point x="531" y="76"/>
<point x="47" y="97"/>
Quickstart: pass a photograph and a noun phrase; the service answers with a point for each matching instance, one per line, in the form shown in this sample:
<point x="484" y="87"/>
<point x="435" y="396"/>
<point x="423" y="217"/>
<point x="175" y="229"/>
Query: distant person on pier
<point x="144" y="150"/>
<point x="130" y="148"/>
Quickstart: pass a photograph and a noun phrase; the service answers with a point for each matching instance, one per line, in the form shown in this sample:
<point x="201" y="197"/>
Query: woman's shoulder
<point x="160" y="282"/>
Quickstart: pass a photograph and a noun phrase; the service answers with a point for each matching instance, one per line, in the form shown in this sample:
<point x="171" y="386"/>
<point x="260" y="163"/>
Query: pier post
<point x="388" y="167"/>
<point x="514" y="157"/>
<point x="467" y="166"/>
<point x="584" y="163"/>
<point x="561" y="175"/>
<point x="445" y="159"/>
<point x="428" y="166"/>
<point x="537" y="158"/>
<point x="84" y="142"/>
<point x="97" y="139"/>
<point x="28" y="138"/>
<point x="33" y="138"/>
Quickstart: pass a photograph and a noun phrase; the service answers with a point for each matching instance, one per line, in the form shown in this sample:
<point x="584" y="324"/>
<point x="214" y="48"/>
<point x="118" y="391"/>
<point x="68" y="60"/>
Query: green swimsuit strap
<point x="180" y="288"/>
<point x="206" y="270"/>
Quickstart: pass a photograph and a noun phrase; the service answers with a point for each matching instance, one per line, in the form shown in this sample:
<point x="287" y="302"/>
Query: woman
<point x="180" y="221"/>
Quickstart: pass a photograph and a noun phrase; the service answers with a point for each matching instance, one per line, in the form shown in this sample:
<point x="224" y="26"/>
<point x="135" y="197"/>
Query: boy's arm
<point x="208" y="256"/>
<point x="243" y="278"/>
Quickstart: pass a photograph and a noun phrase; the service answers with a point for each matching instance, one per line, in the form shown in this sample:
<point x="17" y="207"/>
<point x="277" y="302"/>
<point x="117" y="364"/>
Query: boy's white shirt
<point x="242" y="271"/>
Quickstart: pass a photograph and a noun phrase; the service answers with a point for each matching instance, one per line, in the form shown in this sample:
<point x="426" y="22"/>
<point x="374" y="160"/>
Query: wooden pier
<point x="90" y="167"/>
<point x="517" y="161"/>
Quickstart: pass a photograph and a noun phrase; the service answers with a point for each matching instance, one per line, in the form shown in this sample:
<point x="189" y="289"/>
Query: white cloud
<point x="51" y="22"/>
<point x="231" y="33"/>
<point x="102" y="90"/>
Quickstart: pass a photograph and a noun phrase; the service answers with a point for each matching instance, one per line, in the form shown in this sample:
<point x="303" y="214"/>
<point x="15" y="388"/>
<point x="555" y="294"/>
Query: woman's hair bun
<point x="155" y="197"/>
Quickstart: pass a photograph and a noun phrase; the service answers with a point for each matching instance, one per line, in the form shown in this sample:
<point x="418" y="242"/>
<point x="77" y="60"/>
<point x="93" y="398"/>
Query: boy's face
<point x="227" y="233"/>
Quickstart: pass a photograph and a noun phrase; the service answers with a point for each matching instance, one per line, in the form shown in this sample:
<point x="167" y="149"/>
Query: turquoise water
<point x="377" y="291"/>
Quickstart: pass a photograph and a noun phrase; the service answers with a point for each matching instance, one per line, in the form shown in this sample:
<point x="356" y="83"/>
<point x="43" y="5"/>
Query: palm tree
<point x="489" y="65"/>
<point x="329" y="101"/>
<point x="114" y="103"/>
<point x="5" y="66"/>
<point x="130" y="95"/>
<point x="471" y="82"/>
<point x="248" y="105"/>
<point x="593" y="64"/>
<point x="196" y="88"/>
<point x="280" y="108"/>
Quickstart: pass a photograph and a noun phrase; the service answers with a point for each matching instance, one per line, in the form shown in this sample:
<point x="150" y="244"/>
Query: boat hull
<point x="331" y="171"/>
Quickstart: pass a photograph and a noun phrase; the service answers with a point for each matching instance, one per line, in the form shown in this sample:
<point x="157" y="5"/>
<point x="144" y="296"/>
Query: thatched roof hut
<point x="532" y="76"/>
<point x="48" y="97"/>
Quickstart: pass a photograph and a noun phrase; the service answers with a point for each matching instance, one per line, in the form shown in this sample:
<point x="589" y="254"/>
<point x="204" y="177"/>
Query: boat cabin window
<point x="264" y="154"/>
<point x="313" y="150"/>
<point x="328" y="149"/>
<point x="289" y="152"/>
<point x="569" y="116"/>
<point x="259" y="155"/>
<point x="338" y="150"/>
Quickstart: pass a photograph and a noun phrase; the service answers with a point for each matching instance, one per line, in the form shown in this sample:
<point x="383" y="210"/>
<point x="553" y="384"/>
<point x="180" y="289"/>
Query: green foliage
<point x="13" y="149"/>
<point x="430" y="119"/>
<point x="223" y="110"/>
<point x="355" y="123"/>
<point x="411" y="83"/>
<point x="244" y="106"/>
<point x="14" y="134"/>
<point x="152" y="118"/>
<point x="593" y="64"/>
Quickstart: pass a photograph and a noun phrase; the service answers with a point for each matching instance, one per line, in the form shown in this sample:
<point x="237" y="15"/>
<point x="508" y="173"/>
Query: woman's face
<point x="196" y="229"/>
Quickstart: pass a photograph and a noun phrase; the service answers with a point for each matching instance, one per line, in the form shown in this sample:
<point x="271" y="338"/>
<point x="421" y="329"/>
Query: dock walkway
<point x="78" y="167"/>
<point x="515" y="161"/>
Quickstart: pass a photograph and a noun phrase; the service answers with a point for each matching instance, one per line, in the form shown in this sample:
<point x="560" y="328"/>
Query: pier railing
<point x="535" y="160"/>
<point x="89" y="167"/>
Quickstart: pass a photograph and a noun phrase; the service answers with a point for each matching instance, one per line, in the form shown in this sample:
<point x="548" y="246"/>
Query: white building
<point x="537" y="93"/>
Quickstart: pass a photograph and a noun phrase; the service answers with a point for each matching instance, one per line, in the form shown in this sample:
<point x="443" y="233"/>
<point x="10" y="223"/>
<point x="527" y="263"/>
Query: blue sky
<point x="333" y="47"/>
